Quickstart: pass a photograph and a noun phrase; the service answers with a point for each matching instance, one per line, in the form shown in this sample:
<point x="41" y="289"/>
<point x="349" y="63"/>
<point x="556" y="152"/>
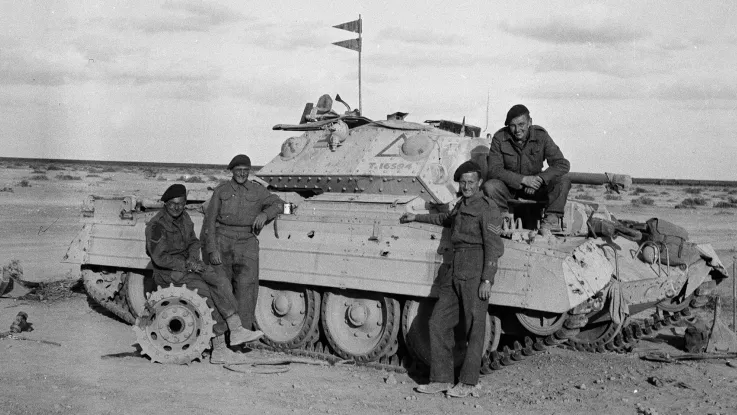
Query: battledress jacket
<point x="170" y="242"/>
<point x="509" y="163"/>
<point x="236" y="206"/>
<point x="475" y="223"/>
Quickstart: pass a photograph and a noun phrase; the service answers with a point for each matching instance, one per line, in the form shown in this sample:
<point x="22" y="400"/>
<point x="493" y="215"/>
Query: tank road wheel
<point x="416" y="331"/>
<point x="599" y="331"/>
<point x="361" y="326"/>
<point x="541" y="323"/>
<point x="135" y="293"/>
<point x="177" y="326"/>
<point x="288" y="315"/>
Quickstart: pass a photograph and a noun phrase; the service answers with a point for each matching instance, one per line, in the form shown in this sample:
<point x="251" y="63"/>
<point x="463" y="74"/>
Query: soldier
<point x="175" y="255"/>
<point x="515" y="164"/>
<point x="237" y="212"/>
<point x="463" y="292"/>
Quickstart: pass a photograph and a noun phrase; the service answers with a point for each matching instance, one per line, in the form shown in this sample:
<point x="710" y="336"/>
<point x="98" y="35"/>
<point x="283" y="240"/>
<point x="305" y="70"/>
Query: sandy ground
<point x="96" y="369"/>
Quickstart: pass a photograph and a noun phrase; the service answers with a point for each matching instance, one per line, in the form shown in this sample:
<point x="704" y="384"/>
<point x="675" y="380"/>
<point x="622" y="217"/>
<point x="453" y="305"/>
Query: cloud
<point x="196" y="90"/>
<point x="70" y="65"/>
<point x="571" y="29"/>
<point x="629" y="63"/>
<point x="185" y="16"/>
<point x="424" y="37"/>
<point x="285" y="38"/>
<point x="273" y="92"/>
<point x="697" y="89"/>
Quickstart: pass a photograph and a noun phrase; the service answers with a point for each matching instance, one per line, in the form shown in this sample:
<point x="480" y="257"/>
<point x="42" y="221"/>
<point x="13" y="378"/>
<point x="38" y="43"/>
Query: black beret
<point x="515" y="112"/>
<point x="174" y="191"/>
<point x="239" y="160"/>
<point x="468" y="167"/>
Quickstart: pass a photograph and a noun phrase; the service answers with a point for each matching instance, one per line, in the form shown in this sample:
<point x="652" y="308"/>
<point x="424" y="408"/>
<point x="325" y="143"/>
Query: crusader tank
<point x="341" y="276"/>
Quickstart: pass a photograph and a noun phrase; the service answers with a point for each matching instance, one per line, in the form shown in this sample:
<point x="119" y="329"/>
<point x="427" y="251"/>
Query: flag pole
<point x="360" y="48"/>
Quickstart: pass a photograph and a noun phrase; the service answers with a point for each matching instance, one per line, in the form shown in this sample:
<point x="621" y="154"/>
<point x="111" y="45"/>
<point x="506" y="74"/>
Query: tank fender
<point x="710" y="256"/>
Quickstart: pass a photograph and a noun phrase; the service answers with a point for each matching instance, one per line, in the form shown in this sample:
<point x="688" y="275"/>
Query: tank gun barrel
<point x="614" y="181"/>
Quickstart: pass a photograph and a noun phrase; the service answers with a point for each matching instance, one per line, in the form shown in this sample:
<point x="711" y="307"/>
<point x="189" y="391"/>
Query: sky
<point x="646" y="88"/>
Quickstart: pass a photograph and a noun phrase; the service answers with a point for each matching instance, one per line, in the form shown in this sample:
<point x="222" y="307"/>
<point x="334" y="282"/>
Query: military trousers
<point x="458" y="304"/>
<point x="239" y="254"/>
<point x="212" y="285"/>
<point x="554" y="193"/>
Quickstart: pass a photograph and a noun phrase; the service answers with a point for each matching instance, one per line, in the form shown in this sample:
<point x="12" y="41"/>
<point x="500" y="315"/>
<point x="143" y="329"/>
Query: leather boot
<point x="222" y="355"/>
<point x="239" y="334"/>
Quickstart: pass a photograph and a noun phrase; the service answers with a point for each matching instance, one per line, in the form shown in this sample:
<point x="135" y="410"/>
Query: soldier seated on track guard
<point x="175" y="255"/>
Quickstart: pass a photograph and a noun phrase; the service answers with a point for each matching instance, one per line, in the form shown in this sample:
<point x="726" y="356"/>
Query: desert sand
<point x="95" y="370"/>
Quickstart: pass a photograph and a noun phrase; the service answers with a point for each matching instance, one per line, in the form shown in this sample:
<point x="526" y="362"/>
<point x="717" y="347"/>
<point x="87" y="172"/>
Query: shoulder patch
<point x="156" y="232"/>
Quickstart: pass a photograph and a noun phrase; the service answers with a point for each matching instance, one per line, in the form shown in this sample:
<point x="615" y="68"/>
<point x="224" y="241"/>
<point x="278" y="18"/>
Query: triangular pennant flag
<point x="354" y="44"/>
<point x="354" y="26"/>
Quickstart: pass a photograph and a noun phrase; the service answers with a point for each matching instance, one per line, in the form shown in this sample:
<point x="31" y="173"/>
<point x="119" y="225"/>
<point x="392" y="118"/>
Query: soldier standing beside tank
<point x="175" y="256"/>
<point x="515" y="168"/>
<point x="463" y="292"/>
<point x="237" y="212"/>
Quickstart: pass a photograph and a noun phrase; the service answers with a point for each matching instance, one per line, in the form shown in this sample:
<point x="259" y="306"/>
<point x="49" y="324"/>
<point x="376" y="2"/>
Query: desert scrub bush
<point x="150" y="173"/>
<point x="53" y="167"/>
<point x="664" y="193"/>
<point x="190" y="179"/>
<point x="67" y="177"/>
<point x="40" y="177"/>
<point x="612" y="196"/>
<point x="7" y="189"/>
<point x="213" y="179"/>
<point x="109" y="169"/>
<point x="38" y="171"/>
<point x="93" y="175"/>
<point x="161" y="178"/>
<point x="732" y="192"/>
<point x="725" y="205"/>
<point x="24" y="183"/>
<point x="638" y="191"/>
<point x="691" y="202"/>
<point x="693" y="190"/>
<point x="107" y="179"/>
<point x="585" y="196"/>
<point x="643" y="200"/>
<point x="579" y="187"/>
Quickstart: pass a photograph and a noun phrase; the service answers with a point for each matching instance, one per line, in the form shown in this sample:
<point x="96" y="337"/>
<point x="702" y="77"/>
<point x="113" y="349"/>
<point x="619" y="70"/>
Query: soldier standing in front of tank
<point x="175" y="256"/>
<point x="515" y="168"/>
<point x="463" y="292"/>
<point x="237" y="212"/>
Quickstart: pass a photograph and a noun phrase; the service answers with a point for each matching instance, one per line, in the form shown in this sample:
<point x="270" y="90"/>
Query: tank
<point x="340" y="276"/>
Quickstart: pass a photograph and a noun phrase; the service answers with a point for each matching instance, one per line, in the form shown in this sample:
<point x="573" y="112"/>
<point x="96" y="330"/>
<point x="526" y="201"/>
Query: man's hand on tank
<point x="484" y="290"/>
<point x="529" y="190"/>
<point x="533" y="182"/>
<point x="215" y="258"/>
<point x="259" y="222"/>
<point x="198" y="267"/>
<point x="407" y="218"/>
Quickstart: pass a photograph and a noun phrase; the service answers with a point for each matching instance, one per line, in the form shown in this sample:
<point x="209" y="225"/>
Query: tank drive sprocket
<point x="176" y="327"/>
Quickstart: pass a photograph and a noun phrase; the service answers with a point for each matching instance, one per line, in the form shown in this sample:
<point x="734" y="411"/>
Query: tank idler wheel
<point x="358" y="325"/>
<point x="416" y="331"/>
<point x="541" y="323"/>
<point x="177" y="327"/>
<point x="288" y="315"/>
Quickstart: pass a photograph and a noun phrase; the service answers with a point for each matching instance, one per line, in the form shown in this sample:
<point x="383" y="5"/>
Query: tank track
<point x="633" y="331"/>
<point x="106" y="290"/>
<point x="321" y="351"/>
<point x="507" y="356"/>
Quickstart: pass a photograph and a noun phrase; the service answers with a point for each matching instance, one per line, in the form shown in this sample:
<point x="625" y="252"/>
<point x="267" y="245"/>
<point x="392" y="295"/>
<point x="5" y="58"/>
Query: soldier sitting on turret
<point x="515" y="168"/>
